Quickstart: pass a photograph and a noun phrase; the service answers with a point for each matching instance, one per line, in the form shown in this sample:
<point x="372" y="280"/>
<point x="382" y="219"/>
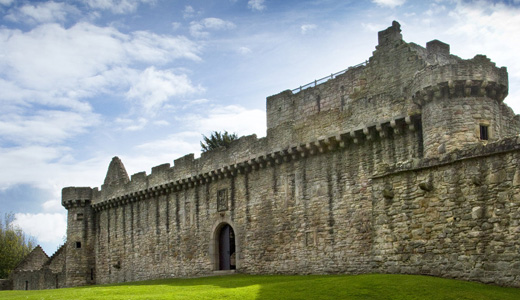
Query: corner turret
<point x="461" y="101"/>
<point x="80" y="259"/>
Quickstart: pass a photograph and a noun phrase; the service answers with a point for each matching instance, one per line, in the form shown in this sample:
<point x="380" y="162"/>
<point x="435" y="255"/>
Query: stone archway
<point x="214" y="244"/>
<point x="226" y="248"/>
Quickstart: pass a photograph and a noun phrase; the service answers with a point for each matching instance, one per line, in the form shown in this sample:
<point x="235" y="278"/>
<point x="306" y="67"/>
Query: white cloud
<point x="200" y="29"/>
<point x="308" y="27"/>
<point x="154" y="48"/>
<point x="233" y="118"/>
<point x="483" y="25"/>
<point x="51" y="57"/>
<point x="176" y="26"/>
<point x="217" y="24"/>
<point x="195" y="103"/>
<point x="18" y="160"/>
<point x="189" y="12"/>
<point x="389" y="3"/>
<point x="51" y="168"/>
<point x="131" y="124"/>
<point x="161" y="123"/>
<point x="6" y="2"/>
<point x="55" y="65"/>
<point x="52" y="206"/>
<point x="117" y="6"/>
<point x="46" y="12"/>
<point x="257" y="5"/>
<point x="153" y="88"/>
<point x="46" y="227"/>
<point x="44" y="127"/>
<point x="244" y="50"/>
<point x="435" y="9"/>
<point x="175" y="143"/>
<point x="374" y="27"/>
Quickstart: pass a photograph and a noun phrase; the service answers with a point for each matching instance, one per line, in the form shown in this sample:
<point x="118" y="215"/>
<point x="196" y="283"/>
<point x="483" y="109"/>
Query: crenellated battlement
<point x="187" y="172"/>
<point x="461" y="88"/>
<point x="475" y="77"/>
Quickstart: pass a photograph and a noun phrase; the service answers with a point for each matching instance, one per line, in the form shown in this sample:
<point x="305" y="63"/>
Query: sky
<point x="82" y="81"/>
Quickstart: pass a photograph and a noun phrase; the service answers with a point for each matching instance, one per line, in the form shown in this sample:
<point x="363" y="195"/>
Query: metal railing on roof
<point x="327" y="78"/>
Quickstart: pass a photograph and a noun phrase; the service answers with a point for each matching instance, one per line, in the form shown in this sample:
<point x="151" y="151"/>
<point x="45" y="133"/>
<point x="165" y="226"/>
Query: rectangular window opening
<point x="484" y="132"/>
<point x="78" y="245"/>
<point x="79" y="217"/>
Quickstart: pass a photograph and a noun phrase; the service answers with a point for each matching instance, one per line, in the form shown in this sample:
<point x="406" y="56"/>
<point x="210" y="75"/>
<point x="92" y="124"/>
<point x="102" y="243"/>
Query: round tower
<point x="80" y="259"/>
<point x="461" y="101"/>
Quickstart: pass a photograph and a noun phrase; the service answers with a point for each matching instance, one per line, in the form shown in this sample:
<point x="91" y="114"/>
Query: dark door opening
<point x="226" y="248"/>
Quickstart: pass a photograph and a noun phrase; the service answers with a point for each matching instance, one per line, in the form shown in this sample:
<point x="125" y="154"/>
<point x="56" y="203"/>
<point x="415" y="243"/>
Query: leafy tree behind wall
<point x="216" y="140"/>
<point x="14" y="245"/>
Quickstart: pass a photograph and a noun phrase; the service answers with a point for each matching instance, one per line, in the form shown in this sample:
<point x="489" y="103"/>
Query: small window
<point x="79" y="217"/>
<point x="484" y="132"/>
<point x="78" y="245"/>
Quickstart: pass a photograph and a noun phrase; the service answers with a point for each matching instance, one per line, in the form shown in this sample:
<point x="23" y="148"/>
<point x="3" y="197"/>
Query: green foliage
<point x="267" y="287"/>
<point x="14" y="245"/>
<point x="216" y="140"/>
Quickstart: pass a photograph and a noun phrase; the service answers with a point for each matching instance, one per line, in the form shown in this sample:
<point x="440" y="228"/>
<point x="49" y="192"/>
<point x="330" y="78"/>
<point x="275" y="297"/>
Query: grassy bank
<point x="374" y="286"/>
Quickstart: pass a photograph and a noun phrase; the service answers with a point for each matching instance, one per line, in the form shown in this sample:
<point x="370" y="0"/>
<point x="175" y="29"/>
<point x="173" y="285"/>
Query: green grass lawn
<point x="372" y="286"/>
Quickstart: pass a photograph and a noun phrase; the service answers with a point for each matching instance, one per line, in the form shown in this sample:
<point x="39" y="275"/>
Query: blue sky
<point x="82" y="81"/>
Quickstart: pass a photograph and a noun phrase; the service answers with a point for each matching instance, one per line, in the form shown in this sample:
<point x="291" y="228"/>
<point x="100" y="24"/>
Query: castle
<point x="408" y="163"/>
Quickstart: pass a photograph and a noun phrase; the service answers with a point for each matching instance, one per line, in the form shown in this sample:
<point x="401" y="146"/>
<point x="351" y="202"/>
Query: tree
<point x="14" y="245"/>
<point x="216" y="140"/>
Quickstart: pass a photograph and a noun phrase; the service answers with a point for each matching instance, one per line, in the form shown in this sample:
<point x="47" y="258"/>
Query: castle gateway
<point x="408" y="163"/>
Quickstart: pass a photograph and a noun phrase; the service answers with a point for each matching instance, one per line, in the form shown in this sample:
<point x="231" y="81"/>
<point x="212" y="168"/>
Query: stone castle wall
<point x="382" y="168"/>
<point x="285" y="215"/>
<point x="307" y="197"/>
<point x="454" y="217"/>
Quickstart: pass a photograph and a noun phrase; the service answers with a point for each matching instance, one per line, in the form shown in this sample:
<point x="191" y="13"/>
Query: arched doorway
<point x="226" y="248"/>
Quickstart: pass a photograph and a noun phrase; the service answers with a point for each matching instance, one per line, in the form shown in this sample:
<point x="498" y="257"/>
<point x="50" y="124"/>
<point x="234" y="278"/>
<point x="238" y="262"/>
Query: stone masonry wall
<point x="287" y="217"/>
<point x="455" y="218"/>
<point x="6" y="284"/>
<point x="28" y="280"/>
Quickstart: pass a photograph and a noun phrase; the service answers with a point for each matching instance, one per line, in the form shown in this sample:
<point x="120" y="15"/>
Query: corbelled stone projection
<point x="408" y="163"/>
